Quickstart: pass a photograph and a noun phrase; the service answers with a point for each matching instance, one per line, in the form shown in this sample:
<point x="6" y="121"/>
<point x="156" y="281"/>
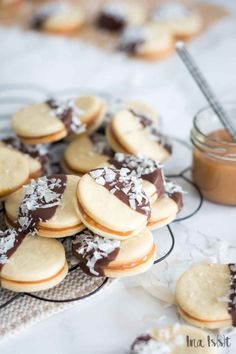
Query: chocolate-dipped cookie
<point x="47" y="206"/>
<point x="58" y="17"/>
<point x="165" y="208"/>
<point x="148" y="42"/>
<point x="173" y="340"/>
<point x="206" y="295"/>
<point x="133" y="133"/>
<point x="37" y="156"/>
<point x="100" y="256"/>
<point x="85" y="153"/>
<point x="148" y="170"/>
<point x="112" y="203"/>
<point x="181" y="20"/>
<point x="30" y="263"/>
<point x="14" y="171"/>
<point x="55" y="119"/>
<point x="115" y="16"/>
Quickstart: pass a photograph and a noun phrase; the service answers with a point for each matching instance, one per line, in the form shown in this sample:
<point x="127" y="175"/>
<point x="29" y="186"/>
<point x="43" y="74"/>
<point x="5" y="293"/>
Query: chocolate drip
<point x="68" y="113"/>
<point x="39" y="20"/>
<point x="178" y="199"/>
<point x="33" y="151"/>
<point x="232" y="296"/>
<point x="17" y="236"/>
<point x="141" y="339"/>
<point x="155" y="135"/>
<point x="100" y="145"/>
<point x="134" y="164"/>
<point x="111" y="22"/>
<point x="65" y="115"/>
<point x="37" y="206"/>
<point x="91" y="251"/>
<point x="126" y="188"/>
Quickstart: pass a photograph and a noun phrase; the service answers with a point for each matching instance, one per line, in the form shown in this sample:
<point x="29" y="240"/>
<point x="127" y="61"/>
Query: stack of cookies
<point x="111" y="194"/>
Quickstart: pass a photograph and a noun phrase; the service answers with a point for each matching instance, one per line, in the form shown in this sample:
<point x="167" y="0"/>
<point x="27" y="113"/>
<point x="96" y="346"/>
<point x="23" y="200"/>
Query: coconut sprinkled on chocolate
<point x="151" y="129"/>
<point x="100" y="145"/>
<point x="42" y="197"/>
<point x="8" y="238"/>
<point x="112" y="17"/>
<point x="171" y="188"/>
<point x="68" y="113"/>
<point x="132" y="38"/>
<point x="45" y="11"/>
<point x="173" y="11"/>
<point x="95" y="250"/>
<point x="232" y="294"/>
<point x="124" y="186"/>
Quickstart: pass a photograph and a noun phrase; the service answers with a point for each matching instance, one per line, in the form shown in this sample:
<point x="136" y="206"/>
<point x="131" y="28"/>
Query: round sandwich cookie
<point x="85" y="153"/>
<point x="30" y="263"/>
<point x="47" y="206"/>
<point x="174" y="339"/>
<point x="115" y="105"/>
<point x="165" y="209"/>
<point x="148" y="170"/>
<point x="133" y="133"/>
<point x="100" y="256"/>
<point x="112" y="203"/>
<point x="206" y="295"/>
<point x="14" y="171"/>
<point x="37" y="156"/>
<point x="181" y="20"/>
<point x="59" y="16"/>
<point x="55" y="119"/>
<point x="114" y="16"/>
<point x="148" y="42"/>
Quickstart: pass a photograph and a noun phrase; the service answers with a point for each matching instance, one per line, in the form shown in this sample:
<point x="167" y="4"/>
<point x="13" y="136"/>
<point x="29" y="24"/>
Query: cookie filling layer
<point x="232" y="295"/>
<point x="141" y="167"/>
<point x="105" y="229"/>
<point x="61" y="271"/>
<point x="199" y="319"/>
<point x="124" y="186"/>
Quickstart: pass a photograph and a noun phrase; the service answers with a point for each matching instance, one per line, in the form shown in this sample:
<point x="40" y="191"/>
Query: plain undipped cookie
<point x="203" y="295"/>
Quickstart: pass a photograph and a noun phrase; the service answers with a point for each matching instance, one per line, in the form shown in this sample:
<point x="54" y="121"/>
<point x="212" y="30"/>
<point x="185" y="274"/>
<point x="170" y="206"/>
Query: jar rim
<point x="204" y="109"/>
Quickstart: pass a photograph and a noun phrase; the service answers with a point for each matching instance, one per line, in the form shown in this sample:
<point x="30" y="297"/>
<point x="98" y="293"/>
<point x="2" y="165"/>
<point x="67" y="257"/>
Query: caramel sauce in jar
<point x="214" y="162"/>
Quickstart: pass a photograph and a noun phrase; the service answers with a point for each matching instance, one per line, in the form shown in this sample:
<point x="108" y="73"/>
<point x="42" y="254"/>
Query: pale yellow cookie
<point x="127" y="134"/>
<point x="37" y="264"/>
<point x="202" y="295"/>
<point x="14" y="171"/>
<point x="66" y="220"/>
<point x="163" y="212"/>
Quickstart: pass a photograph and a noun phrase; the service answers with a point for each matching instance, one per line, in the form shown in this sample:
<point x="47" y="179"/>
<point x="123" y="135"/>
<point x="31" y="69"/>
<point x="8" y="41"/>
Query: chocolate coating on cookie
<point x="94" y="252"/>
<point x="232" y="296"/>
<point x="68" y="113"/>
<point x="175" y="192"/>
<point x="141" y="167"/>
<point x="112" y="17"/>
<point x="152" y="130"/>
<point x="10" y="240"/>
<point x="124" y="186"/>
<point x="131" y="39"/>
<point x="40" y="202"/>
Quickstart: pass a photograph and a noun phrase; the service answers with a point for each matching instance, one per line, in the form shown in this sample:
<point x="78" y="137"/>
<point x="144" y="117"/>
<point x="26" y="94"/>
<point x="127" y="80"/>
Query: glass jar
<point x="214" y="156"/>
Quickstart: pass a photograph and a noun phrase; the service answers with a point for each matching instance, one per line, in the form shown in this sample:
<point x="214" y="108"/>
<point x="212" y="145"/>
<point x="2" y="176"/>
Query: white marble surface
<point x="109" y="323"/>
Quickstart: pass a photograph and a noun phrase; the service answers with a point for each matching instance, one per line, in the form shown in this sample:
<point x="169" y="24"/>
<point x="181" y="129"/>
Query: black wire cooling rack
<point x="14" y="96"/>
